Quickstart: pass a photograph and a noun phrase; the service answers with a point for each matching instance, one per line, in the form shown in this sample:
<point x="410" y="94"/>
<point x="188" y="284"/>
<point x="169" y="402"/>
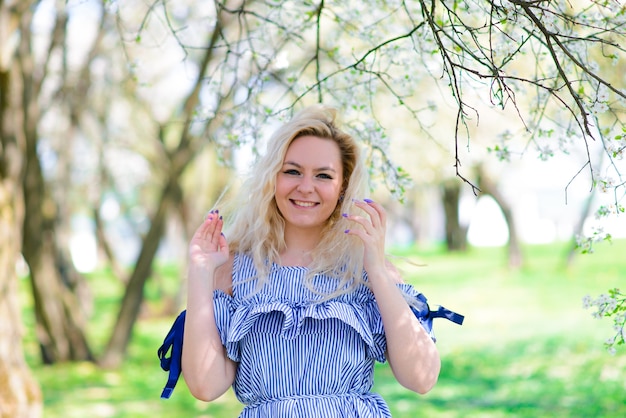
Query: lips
<point x="303" y="204"/>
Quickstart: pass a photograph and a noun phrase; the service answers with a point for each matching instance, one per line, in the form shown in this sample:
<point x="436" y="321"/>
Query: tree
<point x="300" y="64"/>
<point x="482" y="49"/>
<point x="60" y="321"/>
<point x="547" y="63"/>
<point x="252" y="63"/>
<point x="20" y="394"/>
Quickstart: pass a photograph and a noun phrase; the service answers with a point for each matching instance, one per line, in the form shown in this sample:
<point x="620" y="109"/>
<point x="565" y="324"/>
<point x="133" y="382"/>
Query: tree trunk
<point x="171" y="195"/>
<point x="584" y="214"/>
<point x="579" y="229"/>
<point x="456" y="234"/>
<point x="489" y="187"/>
<point x="60" y="322"/>
<point x="20" y="395"/>
<point x="133" y="296"/>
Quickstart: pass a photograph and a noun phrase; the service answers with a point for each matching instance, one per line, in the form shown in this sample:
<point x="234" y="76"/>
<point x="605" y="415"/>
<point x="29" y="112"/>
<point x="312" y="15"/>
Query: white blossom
<point x="605" y="184"/>
<point x="597" y="108"/>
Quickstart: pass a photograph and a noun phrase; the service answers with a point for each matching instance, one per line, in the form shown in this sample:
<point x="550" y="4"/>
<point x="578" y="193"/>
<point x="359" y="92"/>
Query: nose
<point x="305" y="185"/>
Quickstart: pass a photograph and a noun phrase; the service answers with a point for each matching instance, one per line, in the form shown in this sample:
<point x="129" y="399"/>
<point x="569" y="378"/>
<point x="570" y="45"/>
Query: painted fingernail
<point x="346" y="231"/>
<point x="345" y="215"/>
<point x="220" y="217"/>
<point x="368" y="200"/>
<point x="217" y="211"/>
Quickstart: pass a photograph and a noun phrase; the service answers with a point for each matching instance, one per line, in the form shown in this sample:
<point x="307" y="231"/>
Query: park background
<point x="124" y="122"/>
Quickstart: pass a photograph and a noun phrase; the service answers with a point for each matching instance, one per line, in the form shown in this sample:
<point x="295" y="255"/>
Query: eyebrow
<point x="317" y="169"/>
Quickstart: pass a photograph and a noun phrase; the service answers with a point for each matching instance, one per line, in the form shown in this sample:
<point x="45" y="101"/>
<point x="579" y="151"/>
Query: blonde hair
<point x="255" y="226"/>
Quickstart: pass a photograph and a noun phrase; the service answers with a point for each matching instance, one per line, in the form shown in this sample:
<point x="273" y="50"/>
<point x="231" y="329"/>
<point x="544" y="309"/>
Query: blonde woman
<point x="295" y="301"/>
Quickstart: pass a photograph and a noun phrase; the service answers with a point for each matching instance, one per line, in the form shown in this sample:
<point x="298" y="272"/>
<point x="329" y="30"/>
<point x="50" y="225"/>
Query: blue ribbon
<point x="173" y="340"/>
<point x="426" y="316"/>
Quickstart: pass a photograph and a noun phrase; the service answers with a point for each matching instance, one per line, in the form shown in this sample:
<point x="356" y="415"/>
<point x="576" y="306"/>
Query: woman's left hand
<point x="372" y="235"/>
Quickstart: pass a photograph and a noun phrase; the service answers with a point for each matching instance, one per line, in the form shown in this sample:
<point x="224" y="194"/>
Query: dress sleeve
<point x="223" y="306"/>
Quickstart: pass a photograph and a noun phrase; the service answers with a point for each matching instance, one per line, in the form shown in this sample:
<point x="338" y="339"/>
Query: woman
<point x="294" y="308"/>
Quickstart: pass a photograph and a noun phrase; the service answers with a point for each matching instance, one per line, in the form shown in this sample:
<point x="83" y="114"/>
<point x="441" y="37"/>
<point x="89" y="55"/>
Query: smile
<point x="303" y="204"/>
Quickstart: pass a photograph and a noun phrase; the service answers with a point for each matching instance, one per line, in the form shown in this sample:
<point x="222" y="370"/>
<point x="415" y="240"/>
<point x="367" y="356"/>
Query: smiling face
<point x="309" y="183"/>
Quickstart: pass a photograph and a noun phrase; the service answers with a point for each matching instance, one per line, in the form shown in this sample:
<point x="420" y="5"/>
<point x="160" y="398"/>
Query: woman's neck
<point x="299" y="247"/>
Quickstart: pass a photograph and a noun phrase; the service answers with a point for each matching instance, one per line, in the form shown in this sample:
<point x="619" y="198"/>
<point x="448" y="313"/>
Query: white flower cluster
<point x="600" y="104"/>
<point x="545" y="152"/>
<point x="550" y="22"/>
<point x="608" y="210"/>
<point x="605" y="184"/>
<point x="611" y="305"/>
<point x="502" y="152"/>
<point x="508" y="7"/>
<point x="586" y="243"/>
<point x="617" y="147"/>
<point x="602" y="94"/>
<point x="597" y="108"/>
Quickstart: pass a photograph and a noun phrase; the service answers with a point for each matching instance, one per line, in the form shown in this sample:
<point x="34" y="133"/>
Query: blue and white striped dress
<point x="299" y="356"/>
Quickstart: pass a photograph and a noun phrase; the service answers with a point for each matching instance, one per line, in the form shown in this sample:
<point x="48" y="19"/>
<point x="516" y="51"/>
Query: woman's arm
<point x="411" y="352"/>
<point x="207" y="370"/>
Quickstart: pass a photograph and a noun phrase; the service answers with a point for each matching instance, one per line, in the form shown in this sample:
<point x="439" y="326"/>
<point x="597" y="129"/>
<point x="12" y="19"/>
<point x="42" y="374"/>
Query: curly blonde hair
<point x="255" y="226"/>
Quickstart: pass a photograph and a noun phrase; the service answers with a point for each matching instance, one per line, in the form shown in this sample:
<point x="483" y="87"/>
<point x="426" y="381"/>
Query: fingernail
<point x="220" y="217"/>
<point x="217" y="211"/>
<point x="346" y="231"/>
<point x="368" y="200"/>
<point x="345" y="215"/>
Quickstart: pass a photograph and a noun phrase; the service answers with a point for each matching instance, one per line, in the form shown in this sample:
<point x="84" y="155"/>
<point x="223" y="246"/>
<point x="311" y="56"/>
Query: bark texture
<point x="20" y="395"/>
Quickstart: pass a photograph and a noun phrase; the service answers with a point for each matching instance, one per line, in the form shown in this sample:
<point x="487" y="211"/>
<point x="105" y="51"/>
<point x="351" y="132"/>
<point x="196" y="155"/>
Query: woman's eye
<point x="325" y="176"/>
<point x="292" y="172"/>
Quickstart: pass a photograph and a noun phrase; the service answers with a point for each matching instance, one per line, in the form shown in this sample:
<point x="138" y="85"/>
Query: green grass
<point x="527" y="348"/>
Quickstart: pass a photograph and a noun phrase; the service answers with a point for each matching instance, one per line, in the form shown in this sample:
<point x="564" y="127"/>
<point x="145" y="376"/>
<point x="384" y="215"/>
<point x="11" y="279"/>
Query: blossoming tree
<point x="555" y="65"/>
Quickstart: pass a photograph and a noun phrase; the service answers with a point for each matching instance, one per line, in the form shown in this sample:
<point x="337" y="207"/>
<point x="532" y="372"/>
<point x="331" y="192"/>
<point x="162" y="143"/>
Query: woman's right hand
<point x="206" y="368"/>
<point x="208" y="248"/>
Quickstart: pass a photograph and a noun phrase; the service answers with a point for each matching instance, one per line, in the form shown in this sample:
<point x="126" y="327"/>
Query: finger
<point x="201" y="231"/>
<point x="380" y="210"/>
<point x="209" y="226"/>
<point x="217" y="231"/>
<point x="364" y="222"/>
<point x="356" y="232"/>
<point x="369" y="207"/>
<point x="224" y="245"/>
<point x="214" y="230"/>
<point x="367" y="239"/>
<point x="210" y="223"/>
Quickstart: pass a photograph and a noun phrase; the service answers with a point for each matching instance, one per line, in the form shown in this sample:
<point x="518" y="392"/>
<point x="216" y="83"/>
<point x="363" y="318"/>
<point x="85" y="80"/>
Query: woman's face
<point x="309" y="183"/>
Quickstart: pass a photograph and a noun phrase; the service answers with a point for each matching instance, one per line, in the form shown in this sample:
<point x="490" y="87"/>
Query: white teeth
<point x="304" y="204"/>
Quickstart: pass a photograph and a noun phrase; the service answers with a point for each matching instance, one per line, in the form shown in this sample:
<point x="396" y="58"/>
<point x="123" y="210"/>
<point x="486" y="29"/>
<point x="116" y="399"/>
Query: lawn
<point x="527" y="347"/>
